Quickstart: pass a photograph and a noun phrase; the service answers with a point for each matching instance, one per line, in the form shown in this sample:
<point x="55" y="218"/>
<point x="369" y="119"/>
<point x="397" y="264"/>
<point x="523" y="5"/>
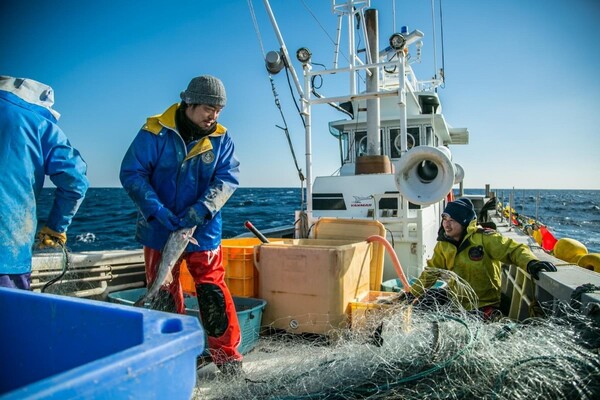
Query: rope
<point x="66" y="265"/>
<point x="276" y="96"/>
<point x="285" y="129"/>
<point x="579" y="291"/>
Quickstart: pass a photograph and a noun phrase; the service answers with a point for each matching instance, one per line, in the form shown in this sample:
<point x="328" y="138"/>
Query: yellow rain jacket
<point x="477" y="260"/>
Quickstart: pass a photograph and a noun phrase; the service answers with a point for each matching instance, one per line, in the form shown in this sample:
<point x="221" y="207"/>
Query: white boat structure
<point x="397" y="172"/>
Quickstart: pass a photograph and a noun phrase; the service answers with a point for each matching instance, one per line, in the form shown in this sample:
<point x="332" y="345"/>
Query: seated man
<point x="475" y="254"/>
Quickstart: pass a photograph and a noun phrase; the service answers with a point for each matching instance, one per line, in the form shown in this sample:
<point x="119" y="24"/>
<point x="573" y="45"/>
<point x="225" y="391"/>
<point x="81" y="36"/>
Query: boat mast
<point x="373" y="105"/>
<point x="304" y="99"/>
<point x="349" y="10"/>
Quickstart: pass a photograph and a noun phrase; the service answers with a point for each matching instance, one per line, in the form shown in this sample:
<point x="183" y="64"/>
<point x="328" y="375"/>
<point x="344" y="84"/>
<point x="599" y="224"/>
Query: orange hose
<point x="395" y="261"/>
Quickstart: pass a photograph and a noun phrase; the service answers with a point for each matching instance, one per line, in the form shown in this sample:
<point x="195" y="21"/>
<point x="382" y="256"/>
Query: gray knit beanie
<point x="205" y="89"/>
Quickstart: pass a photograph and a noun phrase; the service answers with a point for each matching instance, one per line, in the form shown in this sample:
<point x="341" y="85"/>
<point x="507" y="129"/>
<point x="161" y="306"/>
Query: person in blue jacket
<point x="180" y="170"/>
<point x="31" y="147"/>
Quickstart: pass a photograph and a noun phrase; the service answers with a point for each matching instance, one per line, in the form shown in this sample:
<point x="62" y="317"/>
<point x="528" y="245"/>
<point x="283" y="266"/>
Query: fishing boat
<point x="396" y="175"/>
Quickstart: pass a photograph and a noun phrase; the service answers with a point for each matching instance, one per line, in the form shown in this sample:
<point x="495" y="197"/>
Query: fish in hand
<point x="176" y="244"/>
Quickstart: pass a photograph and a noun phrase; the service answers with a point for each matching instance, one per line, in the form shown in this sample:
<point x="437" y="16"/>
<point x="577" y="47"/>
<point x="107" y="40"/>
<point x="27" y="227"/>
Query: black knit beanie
<point x="461" y="210"/>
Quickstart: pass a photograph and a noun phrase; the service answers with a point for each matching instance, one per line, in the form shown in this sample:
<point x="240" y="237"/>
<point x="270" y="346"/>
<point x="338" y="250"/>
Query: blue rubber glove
<point x="167" y="219"/>
<point x="535" y="266"/>
<point x="191" y="217"/>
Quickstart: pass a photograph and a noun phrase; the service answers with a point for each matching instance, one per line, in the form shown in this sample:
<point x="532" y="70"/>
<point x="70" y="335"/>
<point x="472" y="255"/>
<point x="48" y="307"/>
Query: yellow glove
<point x="47" y="237"/>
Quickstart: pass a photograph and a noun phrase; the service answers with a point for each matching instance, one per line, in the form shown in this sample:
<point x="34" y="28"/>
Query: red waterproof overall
<point x="216" y="307"/>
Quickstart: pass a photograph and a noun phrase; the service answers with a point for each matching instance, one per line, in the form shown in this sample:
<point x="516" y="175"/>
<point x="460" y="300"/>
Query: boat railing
<point x="554" y="290"/>
<point x="87" y="274"/>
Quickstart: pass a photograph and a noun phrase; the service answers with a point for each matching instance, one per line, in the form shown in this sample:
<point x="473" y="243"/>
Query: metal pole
<point x="283" y="47"/>
<point x="373" y="105"/>
<point x="306" y="110"/>
<point x="511" y="200"/>
<point x="537" y="203"/>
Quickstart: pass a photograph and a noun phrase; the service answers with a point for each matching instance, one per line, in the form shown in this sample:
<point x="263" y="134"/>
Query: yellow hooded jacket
<point x="477" y="260"/>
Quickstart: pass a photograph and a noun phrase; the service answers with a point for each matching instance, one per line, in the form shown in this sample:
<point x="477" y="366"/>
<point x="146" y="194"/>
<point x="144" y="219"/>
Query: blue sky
<point x="522" y="76"/>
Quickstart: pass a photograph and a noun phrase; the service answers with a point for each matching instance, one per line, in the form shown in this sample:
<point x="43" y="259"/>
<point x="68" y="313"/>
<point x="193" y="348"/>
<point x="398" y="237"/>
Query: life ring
<point x="569" y="250"/>
<point x="590" y="261"/>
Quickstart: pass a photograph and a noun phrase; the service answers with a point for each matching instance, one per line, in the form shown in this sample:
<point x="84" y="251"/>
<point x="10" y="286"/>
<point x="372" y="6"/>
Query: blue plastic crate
<point x="58" y="347"/>
<point x="249" y="312"/>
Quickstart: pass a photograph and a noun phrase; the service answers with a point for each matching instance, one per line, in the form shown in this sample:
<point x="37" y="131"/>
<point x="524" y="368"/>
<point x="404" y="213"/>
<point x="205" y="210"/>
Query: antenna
<point x="434" y="39"/>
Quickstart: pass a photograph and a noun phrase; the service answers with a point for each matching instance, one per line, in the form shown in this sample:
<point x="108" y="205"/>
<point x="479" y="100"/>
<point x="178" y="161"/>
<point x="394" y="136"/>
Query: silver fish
<point x="176" y="244"/>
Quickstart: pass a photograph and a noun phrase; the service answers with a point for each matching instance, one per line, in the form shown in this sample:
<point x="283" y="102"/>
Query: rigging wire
<point x="323" y="29"/>
<point x="290" y="86"/>
<point x="443" y="70"/>
<point x="285" y="129"/>
<point x="278" y="104"/>
<point x="394" y="16"/>
<point x="256" y="30"/>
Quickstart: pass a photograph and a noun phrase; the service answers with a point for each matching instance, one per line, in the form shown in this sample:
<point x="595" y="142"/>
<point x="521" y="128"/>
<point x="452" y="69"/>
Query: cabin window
<point x="413" y="139"/>
<point x="344" y="148"/>
<point x="360" y="143"/>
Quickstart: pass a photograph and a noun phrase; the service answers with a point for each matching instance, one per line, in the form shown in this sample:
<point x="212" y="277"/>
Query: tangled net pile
<point x="436" y="352"/>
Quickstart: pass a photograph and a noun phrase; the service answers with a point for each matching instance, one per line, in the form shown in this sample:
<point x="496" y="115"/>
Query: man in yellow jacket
<point x="475" y="254"/>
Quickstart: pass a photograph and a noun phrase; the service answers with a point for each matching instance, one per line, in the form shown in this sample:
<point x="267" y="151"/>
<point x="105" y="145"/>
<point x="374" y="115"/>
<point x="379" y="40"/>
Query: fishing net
<point x="87" y="275"/>
<point x="55" y="272"/>
<point x="437" y="351"/>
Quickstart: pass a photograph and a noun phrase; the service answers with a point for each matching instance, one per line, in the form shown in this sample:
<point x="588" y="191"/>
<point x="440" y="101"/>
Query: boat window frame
<point x="352" y="149"/>
<point x="390" y="141"/>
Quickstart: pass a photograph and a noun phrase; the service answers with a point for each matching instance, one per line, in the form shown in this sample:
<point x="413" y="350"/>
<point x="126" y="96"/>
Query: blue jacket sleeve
<point x="136" y="169"/>
<point x="67" y="170"/>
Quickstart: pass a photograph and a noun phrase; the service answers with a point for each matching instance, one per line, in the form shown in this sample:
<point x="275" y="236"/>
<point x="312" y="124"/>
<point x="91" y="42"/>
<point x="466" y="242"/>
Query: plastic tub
<point x="58" y="347"/>
<point x="395" y="285"/>
<point x="249" y="312"/>
<point x="361" y="313"/>
<point x="241" y="275"/>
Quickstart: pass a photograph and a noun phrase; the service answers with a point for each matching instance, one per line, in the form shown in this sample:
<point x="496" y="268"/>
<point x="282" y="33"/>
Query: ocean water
<point x="106" y="218"/>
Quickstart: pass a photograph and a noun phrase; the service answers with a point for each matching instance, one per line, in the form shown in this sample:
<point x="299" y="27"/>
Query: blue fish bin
<point x="58" y="347"/>
<point x="249" y="312"/>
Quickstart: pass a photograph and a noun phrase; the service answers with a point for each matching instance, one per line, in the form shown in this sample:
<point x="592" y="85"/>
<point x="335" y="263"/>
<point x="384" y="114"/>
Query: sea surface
<point x="106" y="218"/>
